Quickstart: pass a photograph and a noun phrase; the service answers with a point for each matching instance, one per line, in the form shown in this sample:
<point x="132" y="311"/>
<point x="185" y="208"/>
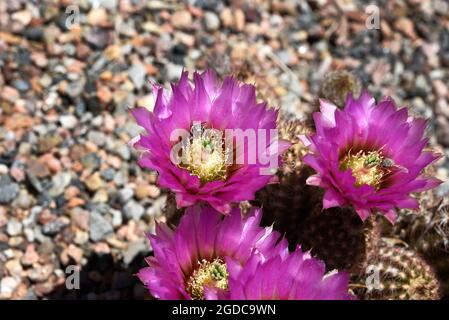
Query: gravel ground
<point x="71" y="192"/>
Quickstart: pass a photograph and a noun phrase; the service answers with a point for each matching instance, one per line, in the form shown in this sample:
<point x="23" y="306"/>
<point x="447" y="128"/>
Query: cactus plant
<point x="337" y="84"/>
<point x="397" y="273"/>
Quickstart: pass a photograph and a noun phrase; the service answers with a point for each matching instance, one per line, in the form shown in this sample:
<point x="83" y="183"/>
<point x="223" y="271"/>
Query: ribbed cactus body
<point x="338" y="236"/>
<point x="397" y="273"/>
<point x="337" y="84"/>
<point x="171" y="211"/>
<point x="428" y="233"/>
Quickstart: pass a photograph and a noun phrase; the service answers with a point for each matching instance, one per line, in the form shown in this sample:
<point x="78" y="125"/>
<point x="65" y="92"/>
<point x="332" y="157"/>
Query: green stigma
<point x="204" y="154"/>
<point x="366" y="167"/>
<point x="207" y="273"/>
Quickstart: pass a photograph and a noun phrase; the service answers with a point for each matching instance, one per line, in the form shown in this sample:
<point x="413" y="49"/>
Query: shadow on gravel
<point x="102" y="278"/>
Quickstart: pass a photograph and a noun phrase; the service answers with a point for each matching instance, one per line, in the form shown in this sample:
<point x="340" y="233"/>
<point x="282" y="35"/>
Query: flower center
<point x="367" y="167"/>
<point x="204" y="154"/>
<point x="213" y="274"/>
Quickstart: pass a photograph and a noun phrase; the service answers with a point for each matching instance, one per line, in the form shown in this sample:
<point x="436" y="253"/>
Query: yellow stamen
<point x="208" y="273"/>
<point x="366" y="167"/>
<point x="205" y="155"/>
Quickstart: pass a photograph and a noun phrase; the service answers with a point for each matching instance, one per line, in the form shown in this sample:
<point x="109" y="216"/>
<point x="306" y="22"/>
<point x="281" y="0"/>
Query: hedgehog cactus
<point x="334" y="191"/>
<point x="428" y="233"/>
<point x="171" y="211"/>
<point x="291" y="130"/>
<point x="337" y="84"/>
<point x="338" y="237"/>
<point x="397" y="273"/>
<point x="284" y="202"/>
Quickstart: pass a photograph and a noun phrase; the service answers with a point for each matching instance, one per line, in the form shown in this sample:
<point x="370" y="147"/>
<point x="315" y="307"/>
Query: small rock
<point x="71" y="192"/>
<point x="144" y="191"/>
<point x="71" y="252"/>
<point x="34" y="33"/>
<point x="59" y="183"/>
<point x="239" y="17"/>
<point x="137" y="75"/>
<point x="227" y="17"/>
<point x="48" y="142"/>
<point x="117" y="218"/>
<point x="181" y="19"/>
<point x="68" y="121"/>
<point x="99" y="227"/>
<point x="23" y="16"/>
<point x="98" y="38"/>
<point x="40" y="273"/>
<point x="21" y="85"/>
<point x="440" y="88"/>
<point x="14" y="227"/>
<point x="37" y="168"/>
<point x="3" y="217"/>
<point x="98" y="17"/>
<point x="53" y="164"/>
<point x="80" y="218"/>
<point x="125" y="194"/>
<point x="53" y="227"/>
<point x="121" y="178"/>
<point x="173" y="70"/>
<point x="7" y="286"/>
<point x="15" y="242"/>
<point x="134" y="248"/>
<point x="17" y="173"/>
<point x="406" y="26"/>
<point x="104" y="94"/>
<point x="81" y="237"/>
<point x="29" y="234"/>
<point x="101" y="196"/>
<point x="133" y="210"/>
<point x="211" y="21"/>
<point x="97" y="137"/>
<point x="108" y="174"/>
<point x="123" y="151"/>
<point x="94" y="182"/>
<point x="14" y="268"/>
<point x="3" y="169"/>
<point x="24" y="200"/>
<point x="30" y="257"/>
<point x="91" y="161"/>
<point x="40" y="60"/>
<point x="8" y="189"/>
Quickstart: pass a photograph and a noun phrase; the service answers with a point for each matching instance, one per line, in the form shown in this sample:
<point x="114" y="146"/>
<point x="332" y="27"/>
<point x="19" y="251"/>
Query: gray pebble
<point x="117" y="218"/>
<point x="134" y="248"/>
<point x="97" y="137"/>
<point x="133" y="210"/>
<point x="60" y="182"/>
<point x="91" y="161"/>
<point x="125" y="194"/>
<point x="68" y="121"/>
<point x="137" y="74"/>
<point x="14" y="227"/>
<point x="53" y="227"/>
<point x="99" y="227"/>
<point x="8" y="189"/>
<point x="211" y="21"/>
<point x="123" y="151"/>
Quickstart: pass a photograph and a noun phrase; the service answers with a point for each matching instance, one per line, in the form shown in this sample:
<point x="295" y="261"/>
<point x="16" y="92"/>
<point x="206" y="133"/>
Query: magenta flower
<point x="211" y="256"/>
<point x="195" y="140"/>
<point x="192" y="258"/>
<point x="283" y="276"/>
<point x="369" y="156"/>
